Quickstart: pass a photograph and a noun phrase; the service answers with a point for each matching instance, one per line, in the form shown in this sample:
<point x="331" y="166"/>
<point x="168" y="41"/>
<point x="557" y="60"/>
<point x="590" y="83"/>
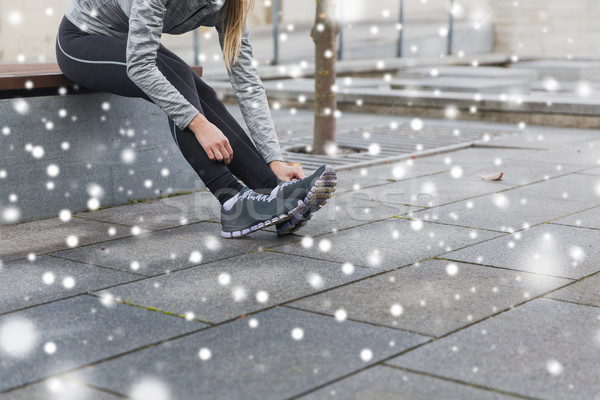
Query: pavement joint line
<point x="154" y="309"/>
<point x="555" y="162"/>
<point x="505" y="147"/>
<point x="454" y="225"/>
<point x="141" y="227"/>
<point x="91" y="264"/>
<point x="464" y="383"/>
<point x="357" y="371"/>
<point x="503" y="268"/>
<point x="97" y="388"/>
<point x="500" y="234"/>
<point x="142" y="277"/>
<point x="202" y="264"/>
<point x="572" y="302"/>
<point x="522" y="229"/>
<point x="160" y="273"/>
<point x="574" y="226"/>
<point x="88" y="292"/>
<point x="573" y="213"/>
<point x="327" y="233"/>
<point x="103" y="241"/>
<point x="360" y="321"/>
<point x="350" y="227"/>
<point x="90" y="218"/>
<point x="123" y="237"/>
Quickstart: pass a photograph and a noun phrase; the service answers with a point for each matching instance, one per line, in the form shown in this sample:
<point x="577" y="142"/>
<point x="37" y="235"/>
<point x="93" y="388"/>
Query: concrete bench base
<point x="119" y="149"/>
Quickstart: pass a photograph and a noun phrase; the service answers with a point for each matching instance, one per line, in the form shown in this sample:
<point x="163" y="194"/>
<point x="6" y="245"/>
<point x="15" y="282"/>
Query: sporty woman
<point x="114" y="46"/>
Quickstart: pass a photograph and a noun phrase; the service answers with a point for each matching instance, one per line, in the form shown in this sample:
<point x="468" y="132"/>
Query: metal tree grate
<point x="386" y="144"/>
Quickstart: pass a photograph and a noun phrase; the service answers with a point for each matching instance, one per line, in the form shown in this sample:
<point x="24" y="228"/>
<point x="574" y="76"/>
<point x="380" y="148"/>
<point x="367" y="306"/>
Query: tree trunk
<point x="324" y="34"/>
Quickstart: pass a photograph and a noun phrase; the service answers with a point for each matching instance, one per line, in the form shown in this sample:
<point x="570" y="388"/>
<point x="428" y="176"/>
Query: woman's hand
<point x="286" y="172"/>
<point x="213" y="141"/>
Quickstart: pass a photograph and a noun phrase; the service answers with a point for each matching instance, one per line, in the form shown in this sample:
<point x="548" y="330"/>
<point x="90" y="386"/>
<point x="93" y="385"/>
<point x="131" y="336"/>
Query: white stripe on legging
<point x="107" y="62"/>
<point x="87" y="61"/>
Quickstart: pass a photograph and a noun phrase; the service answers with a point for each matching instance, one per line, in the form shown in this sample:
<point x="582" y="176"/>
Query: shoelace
<point x="257" y="196"/>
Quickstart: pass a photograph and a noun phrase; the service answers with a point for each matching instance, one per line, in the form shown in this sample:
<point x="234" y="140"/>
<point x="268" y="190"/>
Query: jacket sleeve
<point x="145" y="30"/>
<point x="252" y="99"/>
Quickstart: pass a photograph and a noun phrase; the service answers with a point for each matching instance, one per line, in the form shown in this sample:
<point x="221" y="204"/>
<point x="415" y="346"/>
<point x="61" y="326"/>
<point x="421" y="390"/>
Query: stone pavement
<point x="418" y="280"/>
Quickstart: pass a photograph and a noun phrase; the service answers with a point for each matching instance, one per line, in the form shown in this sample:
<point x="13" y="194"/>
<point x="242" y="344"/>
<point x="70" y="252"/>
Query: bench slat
<point x="42" y="75"/>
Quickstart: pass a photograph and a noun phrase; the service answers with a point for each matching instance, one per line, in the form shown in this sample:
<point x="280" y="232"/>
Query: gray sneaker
<point x="314" y="191"/>
<point x="249" y="211"/>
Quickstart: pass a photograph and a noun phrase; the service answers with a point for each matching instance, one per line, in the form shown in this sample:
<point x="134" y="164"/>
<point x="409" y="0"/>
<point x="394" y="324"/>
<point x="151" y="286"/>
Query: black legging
<point x="79" y="64"/>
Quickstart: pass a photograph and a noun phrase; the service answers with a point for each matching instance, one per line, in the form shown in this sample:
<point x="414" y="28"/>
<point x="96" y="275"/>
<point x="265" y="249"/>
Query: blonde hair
<point x="234" y="17"/>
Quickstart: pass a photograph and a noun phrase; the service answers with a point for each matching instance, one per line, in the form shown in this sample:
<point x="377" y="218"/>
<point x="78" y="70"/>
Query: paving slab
<point x="581" y="292"/>
<point x="161" y="213"/>
<point x="432" y="301"/>
<point x="591" y="171"/>
<point x="470" y="72"/>
<point x="548" y="249"/>
<point x="543" y="349"/>
<point x="82" y="330"/>
<point x="535" y="137"/>
<point x="387" y="244"/>
<point x="432" y="191"/>
<point x="171" y="249"/>
<point x="387" y="383"/>
<point x="463" y="84"/>
<point x="264" y="362"/>
<point x="518" y="172"/>
<point x="44" y="236"/>
<point x="223" y="290"/>
<point x="362" y="178"/>
<point x="350" y="209"/>
<point x="58" y="389"/>
<point x="576" y="188"/>
<point x="587" y="219"/>
<point x="586" y="154"/>
<point x="27" y="283"/>
<point x="520" y="207"/>
<point x="477" y="156"/>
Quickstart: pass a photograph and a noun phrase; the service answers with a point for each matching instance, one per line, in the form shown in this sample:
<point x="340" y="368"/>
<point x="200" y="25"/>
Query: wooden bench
<point x="15" y="77"/>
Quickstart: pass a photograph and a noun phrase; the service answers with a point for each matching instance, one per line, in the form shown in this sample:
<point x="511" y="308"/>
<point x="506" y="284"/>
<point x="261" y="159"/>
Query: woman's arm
<point x="145" y="30"/>
<point x="252" y="99"/>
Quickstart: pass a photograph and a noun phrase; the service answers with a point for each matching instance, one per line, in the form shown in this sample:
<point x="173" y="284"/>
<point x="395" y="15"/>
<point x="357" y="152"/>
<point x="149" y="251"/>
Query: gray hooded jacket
<point x="142" y="22"/>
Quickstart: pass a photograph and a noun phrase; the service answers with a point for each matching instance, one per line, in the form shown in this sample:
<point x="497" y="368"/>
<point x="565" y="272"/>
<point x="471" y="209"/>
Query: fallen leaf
<point x="493" y="177"/>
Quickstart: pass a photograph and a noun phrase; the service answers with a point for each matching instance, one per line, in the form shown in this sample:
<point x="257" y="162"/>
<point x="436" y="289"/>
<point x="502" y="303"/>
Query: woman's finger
<point x="229" y="150"/>
<point x="210" y="153"/>
<point x="226" y="155"/>
<point x="218" y="154"/>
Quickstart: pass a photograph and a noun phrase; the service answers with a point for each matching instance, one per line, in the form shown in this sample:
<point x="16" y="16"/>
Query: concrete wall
<point x="557" y="28"/>
<point x="122" y="146"/>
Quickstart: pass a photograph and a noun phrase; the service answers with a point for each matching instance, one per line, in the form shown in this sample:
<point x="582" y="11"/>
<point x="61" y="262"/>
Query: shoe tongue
<point x="275" y="191"/>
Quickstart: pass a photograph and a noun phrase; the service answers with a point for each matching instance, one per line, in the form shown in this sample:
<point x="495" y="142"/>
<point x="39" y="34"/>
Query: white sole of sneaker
<point x="317" y="197"/>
